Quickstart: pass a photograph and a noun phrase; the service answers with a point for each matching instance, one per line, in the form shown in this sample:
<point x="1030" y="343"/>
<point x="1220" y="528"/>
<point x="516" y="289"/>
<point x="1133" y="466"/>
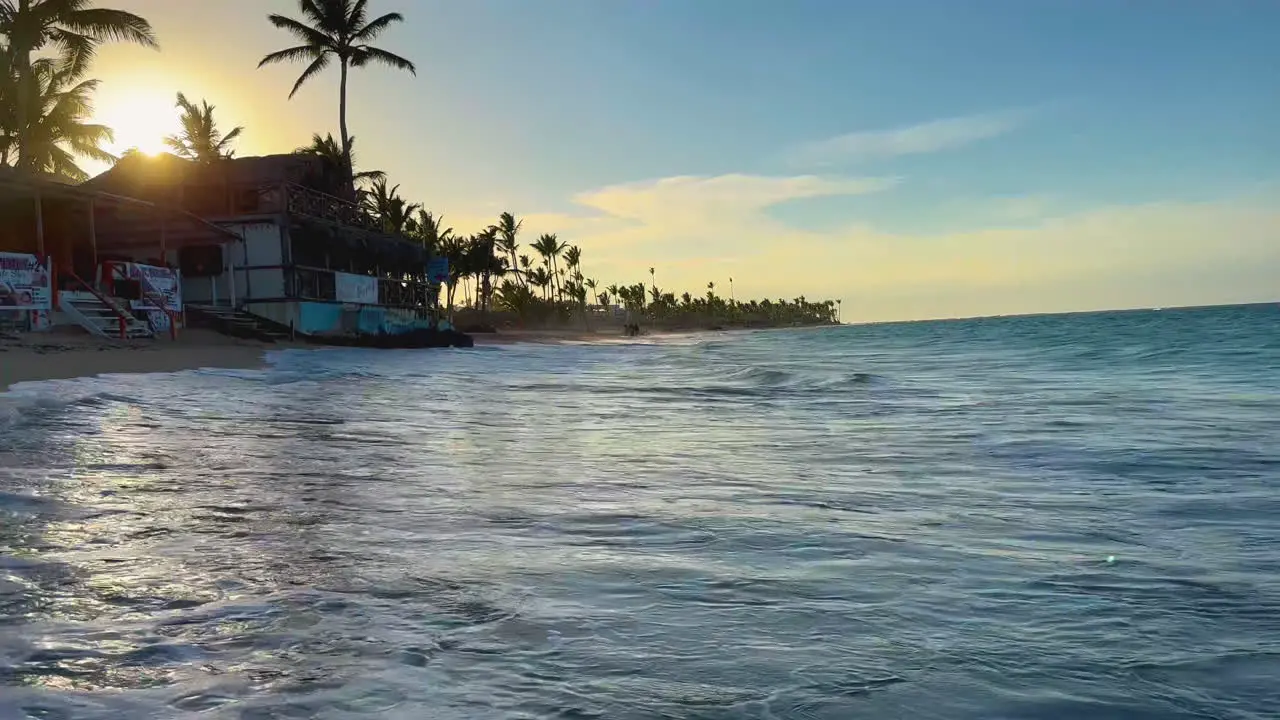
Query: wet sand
<point x="70" y="353"/>
<point x="56" y="355"/>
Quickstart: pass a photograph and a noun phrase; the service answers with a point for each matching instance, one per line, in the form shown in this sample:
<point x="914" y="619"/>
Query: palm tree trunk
<point x="22" y="56"/>
<point x="342" y="128"/>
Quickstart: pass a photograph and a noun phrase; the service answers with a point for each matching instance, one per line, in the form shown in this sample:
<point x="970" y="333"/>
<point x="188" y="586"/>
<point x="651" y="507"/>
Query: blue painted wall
<point x="317" y="318"/>
<point x="321" y="318"/>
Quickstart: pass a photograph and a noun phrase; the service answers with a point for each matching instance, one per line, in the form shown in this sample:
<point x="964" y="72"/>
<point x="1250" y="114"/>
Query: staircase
<point x="235" y="323"/>
<point x="100" y="315"/>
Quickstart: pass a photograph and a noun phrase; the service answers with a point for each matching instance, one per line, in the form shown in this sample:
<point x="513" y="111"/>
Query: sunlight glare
<point x="140" y="118"/>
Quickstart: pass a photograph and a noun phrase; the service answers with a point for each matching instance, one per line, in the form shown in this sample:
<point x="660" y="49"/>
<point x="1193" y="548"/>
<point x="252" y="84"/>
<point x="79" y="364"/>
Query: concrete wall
<point x="262" y="243"/>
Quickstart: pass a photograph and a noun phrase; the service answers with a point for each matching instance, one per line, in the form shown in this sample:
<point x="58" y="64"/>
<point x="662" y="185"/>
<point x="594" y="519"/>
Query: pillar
<point x="39" y="225"/>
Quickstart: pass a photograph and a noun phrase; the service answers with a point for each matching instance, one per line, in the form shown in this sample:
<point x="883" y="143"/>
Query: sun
<point x="139" y="118"/>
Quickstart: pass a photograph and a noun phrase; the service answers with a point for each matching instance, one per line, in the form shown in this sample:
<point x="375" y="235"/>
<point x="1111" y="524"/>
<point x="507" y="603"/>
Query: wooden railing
<point x="305" y="201"/>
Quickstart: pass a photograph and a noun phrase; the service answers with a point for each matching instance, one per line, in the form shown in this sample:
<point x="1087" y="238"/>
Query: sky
<point x="913" y="158"/>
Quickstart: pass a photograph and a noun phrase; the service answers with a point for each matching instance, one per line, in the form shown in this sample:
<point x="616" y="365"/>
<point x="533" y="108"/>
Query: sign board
<point x="361" y="289"/>
<point x="438" y="270"/>
<point x="24" y="283"/>
<point x="156" y="283"/>
<point x="158" y="280"/>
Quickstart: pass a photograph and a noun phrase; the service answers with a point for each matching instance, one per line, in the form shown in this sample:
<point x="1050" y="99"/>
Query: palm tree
<point x="392" y="211"/>
<point x="336" y="29"/>
<point x="57" y="129"/>
<point x="75" y="29"/>
<point x="526" y="264"/>
<point x="336" y="164"/>
<point x="541" y="278"/>
<point x="200" y="139"/>
<point x="508" y="229"/>
<point x="550" y="247"/>
<point x="429" y="229"/>
<point x="573" y="257"/>
<point x="488" y="264"/>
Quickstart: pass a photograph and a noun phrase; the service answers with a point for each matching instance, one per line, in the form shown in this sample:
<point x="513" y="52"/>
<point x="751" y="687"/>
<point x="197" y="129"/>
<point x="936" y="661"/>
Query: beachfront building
<point x="296" y="255"/>
<point x="78" y="256"/>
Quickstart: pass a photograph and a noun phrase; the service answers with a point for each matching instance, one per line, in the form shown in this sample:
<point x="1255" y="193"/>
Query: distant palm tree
<point x="573" y="259"/>
<point x="58" y="130"/>
<point x="550" y="247"/>
<point x="336" y="29"/>
<point x="526" y="264"/>
<point x="200" y="139"/>
<point x="75" y="29"/>
<point x="508" y="243"/>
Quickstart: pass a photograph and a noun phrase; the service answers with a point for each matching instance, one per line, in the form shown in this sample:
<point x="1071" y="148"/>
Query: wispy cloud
<point x="690" y="196"/>
<point x="923" y="138"/>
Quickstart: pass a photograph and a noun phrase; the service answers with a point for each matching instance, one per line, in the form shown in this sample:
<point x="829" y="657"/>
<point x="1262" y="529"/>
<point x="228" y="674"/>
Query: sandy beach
<point x="57" y="355"/>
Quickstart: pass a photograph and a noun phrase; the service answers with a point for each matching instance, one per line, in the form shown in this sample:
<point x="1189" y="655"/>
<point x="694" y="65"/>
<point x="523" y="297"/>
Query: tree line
<point x="46" y="111"/>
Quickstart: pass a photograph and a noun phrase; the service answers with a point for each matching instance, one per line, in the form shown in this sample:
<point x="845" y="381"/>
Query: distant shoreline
<point x="61" y="356"/>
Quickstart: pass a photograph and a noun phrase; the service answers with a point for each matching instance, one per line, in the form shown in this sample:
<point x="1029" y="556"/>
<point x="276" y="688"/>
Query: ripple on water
<point x="884" y="521"/>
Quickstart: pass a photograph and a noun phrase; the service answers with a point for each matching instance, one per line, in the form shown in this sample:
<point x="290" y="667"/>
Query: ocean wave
<point x="958" y="519"/>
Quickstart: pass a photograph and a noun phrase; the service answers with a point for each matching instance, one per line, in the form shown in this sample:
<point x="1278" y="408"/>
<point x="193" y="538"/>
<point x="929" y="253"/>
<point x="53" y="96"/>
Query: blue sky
<point x="941" y="157"/>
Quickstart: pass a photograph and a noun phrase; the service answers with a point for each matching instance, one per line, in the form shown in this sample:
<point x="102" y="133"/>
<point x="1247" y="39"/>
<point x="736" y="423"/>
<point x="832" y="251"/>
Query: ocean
<point x="1071" y="516"/>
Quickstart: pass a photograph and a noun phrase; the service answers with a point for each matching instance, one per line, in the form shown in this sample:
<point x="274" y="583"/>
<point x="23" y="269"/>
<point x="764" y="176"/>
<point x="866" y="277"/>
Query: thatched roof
<point x="142" y="175"/>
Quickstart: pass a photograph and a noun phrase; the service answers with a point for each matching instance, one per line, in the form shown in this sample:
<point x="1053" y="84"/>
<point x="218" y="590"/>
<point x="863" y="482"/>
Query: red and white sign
<point x="25" y="283"/>
<point x="161" y="290"/>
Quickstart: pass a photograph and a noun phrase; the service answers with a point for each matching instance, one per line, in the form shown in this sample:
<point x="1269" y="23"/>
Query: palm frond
<point x="300" y="52"/>
<point x="366" y="55"/>
<point x="371" y="31"/>
<point x="103" y="24"/>
<point x="356" y="13"/>
<point x="319" y="64"/>
<point x="302" y="31"/>
<point x="76" y="50"/>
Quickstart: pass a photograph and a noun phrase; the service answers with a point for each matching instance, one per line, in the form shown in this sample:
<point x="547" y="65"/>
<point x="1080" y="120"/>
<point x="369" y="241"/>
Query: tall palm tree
<point x="336" y="29"/>
<point x="75" y="29"/>
<point x="200" y="139"/>
<point x="57" y="130"/>
<point x="549" y="247"/>
<point x="508" y="243"/>
<point x="487" y="264"/>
